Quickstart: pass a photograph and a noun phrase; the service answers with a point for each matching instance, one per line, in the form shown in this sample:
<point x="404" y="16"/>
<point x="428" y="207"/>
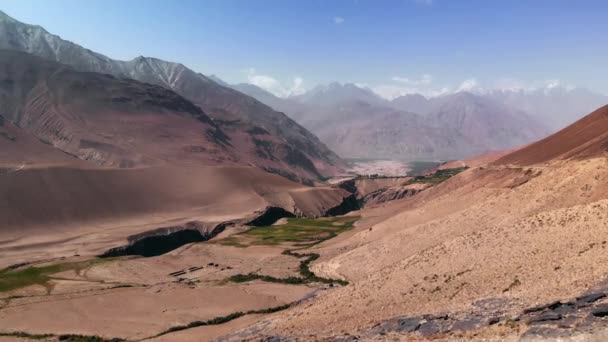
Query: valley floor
<point x="496" y="252"/>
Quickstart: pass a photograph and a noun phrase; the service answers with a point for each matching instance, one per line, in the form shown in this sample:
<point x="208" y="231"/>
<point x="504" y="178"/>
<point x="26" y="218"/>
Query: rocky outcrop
<point x="550" y="320"/>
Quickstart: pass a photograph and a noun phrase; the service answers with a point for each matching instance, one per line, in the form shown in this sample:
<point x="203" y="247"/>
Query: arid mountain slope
<point x="489" y="242"/>
<point x="112" y="122"/>
<point x="118" y="122"/>
<point x="585" y="138"/>
<point x="19" y="149"/>
<point x="287" y="142"/>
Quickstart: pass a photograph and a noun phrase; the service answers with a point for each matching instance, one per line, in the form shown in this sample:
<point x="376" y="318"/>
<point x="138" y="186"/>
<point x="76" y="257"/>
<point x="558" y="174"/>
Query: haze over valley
<point x="261" y="178"/>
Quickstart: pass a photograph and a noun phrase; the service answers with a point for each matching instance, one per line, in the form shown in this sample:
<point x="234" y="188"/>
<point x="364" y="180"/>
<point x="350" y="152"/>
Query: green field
<point x="438" y="177"/>
<point x="14" y="279"/>
<point x="299" y="232"/>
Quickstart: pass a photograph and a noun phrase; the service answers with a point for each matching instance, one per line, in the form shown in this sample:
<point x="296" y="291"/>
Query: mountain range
<point x="357" y="123"/>
<point x="256" y="133"/>
<point x="280" y="134"/>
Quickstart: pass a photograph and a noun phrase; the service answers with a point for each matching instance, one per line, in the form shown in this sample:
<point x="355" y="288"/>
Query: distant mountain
<point x="263" y="96"/>
<point x="356" y="123"/>
<point x="412" y="103"/>
<point x="218" y="80"/>
<point x="456" y="126"/>
<point x="484" y="123"/>
<point x="361" y="130"/>
<point x="336" y="93"/>
<point x="296" y="110"/>
<point x="300" y="152"/>
<point x="556" y="107"/>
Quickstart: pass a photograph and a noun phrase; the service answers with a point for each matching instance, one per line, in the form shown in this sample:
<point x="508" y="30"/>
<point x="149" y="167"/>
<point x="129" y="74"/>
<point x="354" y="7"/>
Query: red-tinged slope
<point x="109" y="121"/>
<point x="19" y="149"/>
<point x="120" y="122"/>
<point x="585" y="138"/>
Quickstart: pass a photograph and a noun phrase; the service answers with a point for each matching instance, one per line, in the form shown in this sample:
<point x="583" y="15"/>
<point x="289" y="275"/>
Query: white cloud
<point x="512" y="84"/>
<point x="406" y="85"/>
<point x="468" y="85"/>
<point x="273" y="85"/>
<point x="296" y="88"/>
<point x="425" y="85"/>
<point x="390" y="91"/>
<point x="338" y="20"/>
<point x="423" y="80"/>
<point x="550" y="84"/>
<point x="262" y="81"/>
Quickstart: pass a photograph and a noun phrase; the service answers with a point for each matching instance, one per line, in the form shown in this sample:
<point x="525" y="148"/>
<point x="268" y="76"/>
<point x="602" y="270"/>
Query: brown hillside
<point x="585" y="138"/>
<point x="89" y="210"/>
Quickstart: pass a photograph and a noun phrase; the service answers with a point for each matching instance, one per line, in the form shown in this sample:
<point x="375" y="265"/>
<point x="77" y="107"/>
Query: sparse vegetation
<point x="63" y="338"/>
<point x="438" y="177"/>
<point x="85" y="338"/>
<point x="223" y="319"/>
<point x="305" y="232"/>
<point x="14" y="279"/>
<point x="299" y="232"/>
<point x="232" y="241"/>
<point x="26" y="335"/>
<point x="377" y="176"/>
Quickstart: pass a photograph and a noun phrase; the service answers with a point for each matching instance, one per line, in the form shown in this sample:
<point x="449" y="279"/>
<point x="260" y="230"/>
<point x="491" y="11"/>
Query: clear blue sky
<point x="377" y="43"/>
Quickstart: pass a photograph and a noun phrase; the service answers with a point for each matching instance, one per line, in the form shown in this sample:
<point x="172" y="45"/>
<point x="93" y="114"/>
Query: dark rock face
<point x="270" y="216"/>
<point x="345" y="339"/>
<point x="408" y="324"/>
<point x="348" y="204"/>
<point x="426" y="325"/>
<point x="275" y="339"/>
<point x="164" y="240"/>
<point x="600" y="311"/>
<point x="589" y="298"/>
<point x="435" y="326"/>
<point x="472" y="323"/>
<point x="545" y="317"/>
<point x="349" y="186"/>
<point x="550" y="306"/>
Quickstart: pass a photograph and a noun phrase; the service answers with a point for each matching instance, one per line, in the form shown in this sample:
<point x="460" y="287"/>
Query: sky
<point x="393" y="47"/>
